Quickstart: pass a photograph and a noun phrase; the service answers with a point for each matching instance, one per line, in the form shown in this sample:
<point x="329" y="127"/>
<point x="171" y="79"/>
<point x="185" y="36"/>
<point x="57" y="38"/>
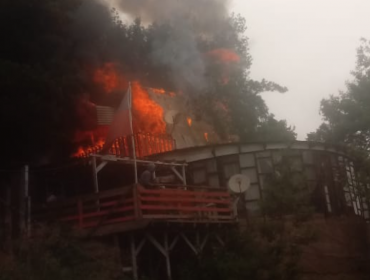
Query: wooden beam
<point x="178" y="175"/>
<point x="174" y="242"/>
<point x="101" y="166"/>
<point x="95" y="175"/>
<point x="220" y="240"/>
<point x="156" y="244"/>
<point x="140" y="247"/>
<point x="168" y="263"/>
<point x="204" y="242"/>
<point x="190" y="244"/>
<point x="139" y="161"/>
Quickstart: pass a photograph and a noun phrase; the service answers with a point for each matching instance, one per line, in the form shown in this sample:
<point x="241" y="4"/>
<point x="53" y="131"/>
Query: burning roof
<point x="155" y="112"/>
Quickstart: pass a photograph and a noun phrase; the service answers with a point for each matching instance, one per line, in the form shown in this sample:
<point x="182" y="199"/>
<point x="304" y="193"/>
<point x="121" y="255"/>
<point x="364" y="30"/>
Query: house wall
<point x="329" y="173"/>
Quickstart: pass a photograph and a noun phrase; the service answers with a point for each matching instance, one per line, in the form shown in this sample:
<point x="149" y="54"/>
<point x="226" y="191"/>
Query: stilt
<point x="168" y="264"/>
<point x="133" y="258"/>
<point x="165" y="250"/>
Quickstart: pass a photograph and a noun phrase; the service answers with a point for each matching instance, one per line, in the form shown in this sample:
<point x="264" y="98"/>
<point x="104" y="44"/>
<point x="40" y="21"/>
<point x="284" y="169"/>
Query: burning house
<point x="192" y="197"/>
<point x="192" y="203"/>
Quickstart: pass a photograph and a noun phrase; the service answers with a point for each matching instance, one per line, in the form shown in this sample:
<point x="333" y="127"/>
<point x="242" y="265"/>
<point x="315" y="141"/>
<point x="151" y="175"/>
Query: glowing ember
<point x="189" y="120"/>
<point x="224" y="55"/>
<point x="206" y="136"/>
<point x="108" y="77"/>
<point x="148" y="115"/>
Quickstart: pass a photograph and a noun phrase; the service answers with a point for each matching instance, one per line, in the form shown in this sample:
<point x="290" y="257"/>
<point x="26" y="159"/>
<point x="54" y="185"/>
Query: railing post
<point x="80" y="214"/>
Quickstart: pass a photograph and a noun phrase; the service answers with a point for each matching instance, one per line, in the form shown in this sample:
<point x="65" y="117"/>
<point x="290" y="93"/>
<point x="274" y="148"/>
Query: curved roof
<point x="209" y="151"/>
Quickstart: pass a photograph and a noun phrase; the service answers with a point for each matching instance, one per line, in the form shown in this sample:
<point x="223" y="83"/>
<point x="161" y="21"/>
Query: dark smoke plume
<point x="190" y="19"/>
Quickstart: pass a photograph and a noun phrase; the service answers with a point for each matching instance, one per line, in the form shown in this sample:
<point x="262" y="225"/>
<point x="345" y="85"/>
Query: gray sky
<point x="308" y="46"/>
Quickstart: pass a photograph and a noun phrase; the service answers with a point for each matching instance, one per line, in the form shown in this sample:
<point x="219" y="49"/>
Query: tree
<point x="347" y="116"/>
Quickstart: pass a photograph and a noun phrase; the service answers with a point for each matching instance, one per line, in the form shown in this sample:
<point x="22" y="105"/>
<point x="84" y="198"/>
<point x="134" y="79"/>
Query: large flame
<point x="148" y="115"/>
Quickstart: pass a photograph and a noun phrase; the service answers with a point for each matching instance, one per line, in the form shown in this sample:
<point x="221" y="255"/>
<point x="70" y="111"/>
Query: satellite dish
<point x="170" y="116"/>
<point x="239" y="183"/>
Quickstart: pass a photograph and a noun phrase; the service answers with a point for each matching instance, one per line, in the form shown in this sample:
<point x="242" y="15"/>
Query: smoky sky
<point x="189" y="19"/>
<point x="308" y="46"/>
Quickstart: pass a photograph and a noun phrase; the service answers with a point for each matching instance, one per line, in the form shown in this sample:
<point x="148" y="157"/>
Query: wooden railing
<point x="175" y="204"/>
<point x="146" y="144"/>
<point x="180" y="204"/>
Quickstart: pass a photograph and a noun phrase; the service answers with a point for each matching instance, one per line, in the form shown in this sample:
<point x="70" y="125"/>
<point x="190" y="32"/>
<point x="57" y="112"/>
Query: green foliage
<point x="270" y="248"/>
<point x="347" y="115"/>
<point x="59" y="254"/>
<point x="244" y="256"/>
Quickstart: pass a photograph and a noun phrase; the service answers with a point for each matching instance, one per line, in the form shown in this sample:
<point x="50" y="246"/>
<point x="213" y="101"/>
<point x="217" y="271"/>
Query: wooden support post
<point x="27" y="199"/>
<point x="184" y="175"/>
<point x="168" y="264"/>
<point x="165" y="250"/>
<point x="133" y="257"/>
<point x="95" y="174"/>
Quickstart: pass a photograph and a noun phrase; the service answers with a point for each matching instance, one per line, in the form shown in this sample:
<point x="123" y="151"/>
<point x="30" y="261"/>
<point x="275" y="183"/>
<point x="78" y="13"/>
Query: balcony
<point x="134" y="207"/>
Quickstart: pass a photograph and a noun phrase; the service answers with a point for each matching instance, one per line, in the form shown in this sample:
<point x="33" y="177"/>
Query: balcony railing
<point x="171" y="204"/>
<point x="146" y="144"/>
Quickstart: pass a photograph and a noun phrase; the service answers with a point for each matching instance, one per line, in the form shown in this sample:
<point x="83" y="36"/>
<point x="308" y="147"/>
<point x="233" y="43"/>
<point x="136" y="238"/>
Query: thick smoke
<point x="189" y="19"/>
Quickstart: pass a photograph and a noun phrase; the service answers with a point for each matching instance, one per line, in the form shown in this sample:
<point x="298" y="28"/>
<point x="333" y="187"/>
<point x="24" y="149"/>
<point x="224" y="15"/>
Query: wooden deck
<point x="135" y="207"/>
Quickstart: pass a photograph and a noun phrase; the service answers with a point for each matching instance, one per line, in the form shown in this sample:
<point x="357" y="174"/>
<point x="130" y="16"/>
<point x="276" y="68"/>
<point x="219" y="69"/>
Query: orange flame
<point x="206" y="136"/>
<point x="224" y="55"/>
<point x="148" y="115"/>
<point x="108" y="77"/>
<point x="83" y="151"/>
<point x="189" y="120"/>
